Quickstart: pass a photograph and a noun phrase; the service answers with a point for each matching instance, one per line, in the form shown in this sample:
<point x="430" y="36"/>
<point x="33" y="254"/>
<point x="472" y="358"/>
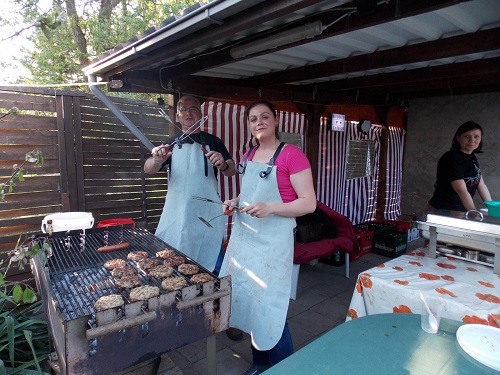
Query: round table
<point x="383" y="344"/>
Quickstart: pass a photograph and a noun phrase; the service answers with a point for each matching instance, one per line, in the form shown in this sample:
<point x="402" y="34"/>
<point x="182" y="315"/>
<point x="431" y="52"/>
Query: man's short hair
<point x="186" y="98"/>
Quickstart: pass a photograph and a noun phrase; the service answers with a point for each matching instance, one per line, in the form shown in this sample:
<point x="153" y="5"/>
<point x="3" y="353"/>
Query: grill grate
<point x="76" y="269"/>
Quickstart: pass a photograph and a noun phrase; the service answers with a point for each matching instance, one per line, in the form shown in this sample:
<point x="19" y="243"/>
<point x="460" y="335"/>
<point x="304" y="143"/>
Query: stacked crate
<point x="365" y="242"/>
<point x="388" y="239"/>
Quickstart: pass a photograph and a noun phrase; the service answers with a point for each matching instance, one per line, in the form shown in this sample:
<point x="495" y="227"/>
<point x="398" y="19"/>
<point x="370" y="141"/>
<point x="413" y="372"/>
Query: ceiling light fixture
<point x="307" y="31"/>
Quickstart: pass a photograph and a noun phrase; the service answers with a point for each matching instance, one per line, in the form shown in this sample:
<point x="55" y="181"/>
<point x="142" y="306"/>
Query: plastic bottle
<point x="50" y="228"/>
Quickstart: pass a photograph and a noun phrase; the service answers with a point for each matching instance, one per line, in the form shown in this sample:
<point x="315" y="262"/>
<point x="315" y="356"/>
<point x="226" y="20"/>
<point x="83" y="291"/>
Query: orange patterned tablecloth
<point x="471" y="291"/>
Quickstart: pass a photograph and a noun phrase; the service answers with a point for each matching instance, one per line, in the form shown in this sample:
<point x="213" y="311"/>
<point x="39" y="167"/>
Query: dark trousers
<point x="283" y="349"/>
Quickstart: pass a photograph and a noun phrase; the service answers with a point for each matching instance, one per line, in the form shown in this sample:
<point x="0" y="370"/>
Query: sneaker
<point x="256" y="369"/>
<point x="234" y="334"/>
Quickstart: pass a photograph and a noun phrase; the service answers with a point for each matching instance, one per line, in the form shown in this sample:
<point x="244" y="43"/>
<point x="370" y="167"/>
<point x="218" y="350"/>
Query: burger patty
<point x="115" y="263"/>
<point x="123" y="271"/>
<point x="144" y="292"/>
<point x="136" y="256"/>
<point x="128" y="281"/>
<point x="109" y="302"/>
<point x="165" y="254"/>
<point x="200" y="278"/>
<point x="174" y="261"/>
<point x="188" y="269"/>
<point x="147" y="263"/>
<point x="173" y="283"/>
<point x="161" y="271"/>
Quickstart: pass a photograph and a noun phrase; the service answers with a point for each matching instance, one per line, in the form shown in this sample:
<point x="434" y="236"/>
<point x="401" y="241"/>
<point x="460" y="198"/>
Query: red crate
<point x="365" y="242"/>
<point x="399" y="225"/>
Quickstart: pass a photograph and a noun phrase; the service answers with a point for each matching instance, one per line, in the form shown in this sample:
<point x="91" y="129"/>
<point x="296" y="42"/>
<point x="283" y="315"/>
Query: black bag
<point x="309" y="232"/>
<point x="314" y="227"/>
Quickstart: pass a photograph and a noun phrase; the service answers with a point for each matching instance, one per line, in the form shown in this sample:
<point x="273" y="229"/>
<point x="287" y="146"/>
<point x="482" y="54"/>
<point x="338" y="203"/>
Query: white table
<point x="471" y="291"/>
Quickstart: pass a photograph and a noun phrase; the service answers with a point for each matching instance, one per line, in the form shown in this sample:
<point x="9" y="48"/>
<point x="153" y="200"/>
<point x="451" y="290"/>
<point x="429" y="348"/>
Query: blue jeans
<point x="218" y="264"/>
<point x="283" y="349"/>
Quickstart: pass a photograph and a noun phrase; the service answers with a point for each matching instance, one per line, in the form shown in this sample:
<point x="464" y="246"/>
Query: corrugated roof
<point x="201" y="43"/>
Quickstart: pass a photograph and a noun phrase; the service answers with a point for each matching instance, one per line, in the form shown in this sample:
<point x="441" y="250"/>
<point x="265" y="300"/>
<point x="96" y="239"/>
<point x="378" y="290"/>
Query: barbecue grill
<point x="87" y="341"/>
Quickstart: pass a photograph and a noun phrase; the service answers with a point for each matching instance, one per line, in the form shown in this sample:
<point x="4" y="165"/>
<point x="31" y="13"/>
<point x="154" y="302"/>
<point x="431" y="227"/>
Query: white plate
<point x="481" y="342"/>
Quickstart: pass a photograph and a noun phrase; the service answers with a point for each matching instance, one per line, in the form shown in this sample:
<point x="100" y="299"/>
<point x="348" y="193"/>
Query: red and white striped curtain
<point x="392" y="209"/>
<point x="354" y="198"/>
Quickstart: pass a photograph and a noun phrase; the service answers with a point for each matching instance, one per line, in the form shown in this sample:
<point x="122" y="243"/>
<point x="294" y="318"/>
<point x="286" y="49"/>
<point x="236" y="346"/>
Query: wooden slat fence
<point x="92" y="162"/>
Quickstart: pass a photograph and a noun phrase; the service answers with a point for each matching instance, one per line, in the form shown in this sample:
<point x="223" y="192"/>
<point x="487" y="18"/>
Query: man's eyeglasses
<point x="190" y="109"/>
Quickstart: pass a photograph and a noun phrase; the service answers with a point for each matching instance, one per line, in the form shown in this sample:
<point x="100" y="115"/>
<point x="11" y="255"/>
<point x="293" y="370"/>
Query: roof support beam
<point x="480" y="41"/>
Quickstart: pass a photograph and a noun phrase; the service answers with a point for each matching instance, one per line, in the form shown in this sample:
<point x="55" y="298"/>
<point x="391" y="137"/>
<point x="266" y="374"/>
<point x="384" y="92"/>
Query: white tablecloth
<point x="471" y="291"/>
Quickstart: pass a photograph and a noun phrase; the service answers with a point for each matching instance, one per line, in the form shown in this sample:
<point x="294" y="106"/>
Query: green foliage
<point x="34" y="157"/>
<point x="83" y="31"/>
<point x="24" y="340"/>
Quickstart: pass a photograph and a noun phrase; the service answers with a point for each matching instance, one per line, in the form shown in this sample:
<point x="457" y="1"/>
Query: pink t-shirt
<point x="291" y="160"/>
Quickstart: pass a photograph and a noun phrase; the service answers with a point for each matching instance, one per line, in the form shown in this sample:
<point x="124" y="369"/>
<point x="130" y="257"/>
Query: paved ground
<point x="323" y="298"/>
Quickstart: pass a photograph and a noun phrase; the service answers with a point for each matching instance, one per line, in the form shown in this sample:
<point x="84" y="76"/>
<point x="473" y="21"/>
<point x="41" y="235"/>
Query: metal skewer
<point x="188" y="132"/>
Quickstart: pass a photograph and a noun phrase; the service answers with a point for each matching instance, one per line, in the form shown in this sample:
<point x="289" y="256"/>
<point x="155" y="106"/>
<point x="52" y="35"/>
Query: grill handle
<point x="120" y="325"/>
<point x="200" y="300"/>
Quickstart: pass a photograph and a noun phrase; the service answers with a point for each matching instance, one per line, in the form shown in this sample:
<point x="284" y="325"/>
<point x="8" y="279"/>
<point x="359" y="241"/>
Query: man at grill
<point x="192" y="164"/>
<point x="276" y="187"/>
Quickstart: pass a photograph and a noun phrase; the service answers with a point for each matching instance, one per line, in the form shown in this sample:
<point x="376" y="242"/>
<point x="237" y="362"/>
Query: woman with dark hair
<point x="458" y="174"/>
<point x="276" y="187"/>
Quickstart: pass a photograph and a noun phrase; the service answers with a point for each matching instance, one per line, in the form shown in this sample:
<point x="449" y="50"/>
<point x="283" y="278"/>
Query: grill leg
<point x="211" y="350"/>
<point x="156" y="365"/>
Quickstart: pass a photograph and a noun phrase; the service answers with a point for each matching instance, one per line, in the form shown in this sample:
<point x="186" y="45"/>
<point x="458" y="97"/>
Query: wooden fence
<point x="92" y="162"/>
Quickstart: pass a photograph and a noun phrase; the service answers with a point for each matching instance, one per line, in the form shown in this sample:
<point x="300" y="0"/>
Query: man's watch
<point x="225" y="169"/>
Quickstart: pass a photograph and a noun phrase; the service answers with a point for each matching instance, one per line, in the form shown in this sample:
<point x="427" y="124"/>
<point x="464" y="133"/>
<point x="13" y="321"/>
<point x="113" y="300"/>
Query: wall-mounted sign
<point x="338" y="122"/>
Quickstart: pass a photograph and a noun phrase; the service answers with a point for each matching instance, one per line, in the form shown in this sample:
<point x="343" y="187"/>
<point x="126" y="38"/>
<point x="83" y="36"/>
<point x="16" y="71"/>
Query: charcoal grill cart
<point x="471" y="230"/>
<point x="87" y="341"/>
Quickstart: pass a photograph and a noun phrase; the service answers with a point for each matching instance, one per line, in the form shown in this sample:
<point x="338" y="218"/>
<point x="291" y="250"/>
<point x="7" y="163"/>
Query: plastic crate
<point x="402" y="226"/>
<point x="365" y="242"/>
<point x="375" y="226"/>
<point x="390" y="243"/>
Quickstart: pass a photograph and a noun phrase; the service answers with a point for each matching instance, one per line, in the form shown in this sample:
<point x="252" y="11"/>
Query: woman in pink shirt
<point x="276" y="187"/>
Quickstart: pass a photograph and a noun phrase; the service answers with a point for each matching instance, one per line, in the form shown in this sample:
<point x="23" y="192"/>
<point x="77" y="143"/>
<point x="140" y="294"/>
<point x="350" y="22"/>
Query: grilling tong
<point x="185" y="135"/>
<point x="207" y="222"/>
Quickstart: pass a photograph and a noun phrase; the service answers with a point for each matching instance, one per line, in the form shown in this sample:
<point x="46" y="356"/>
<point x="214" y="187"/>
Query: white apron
<point x="179" y="225"/>
<point x="259" y="259"/>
